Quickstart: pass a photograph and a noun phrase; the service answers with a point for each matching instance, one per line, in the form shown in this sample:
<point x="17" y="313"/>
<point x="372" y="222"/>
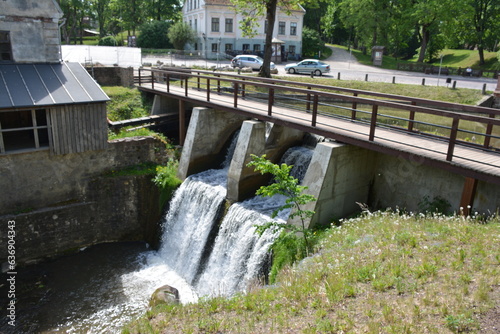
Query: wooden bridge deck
<point x="472" y="162"/>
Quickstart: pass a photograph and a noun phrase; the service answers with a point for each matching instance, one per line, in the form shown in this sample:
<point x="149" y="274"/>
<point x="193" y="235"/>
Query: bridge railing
<point x="478" y="127"/>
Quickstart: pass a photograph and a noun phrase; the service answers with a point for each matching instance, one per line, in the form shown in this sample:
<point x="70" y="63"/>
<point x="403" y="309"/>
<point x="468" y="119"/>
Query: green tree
<point x="429" y="16"/>
<point x="102" y="12"/>
<point x="477" y="25"/>
<point x="286" y="185"/>
<point x="154" y="35"/>
<point x="180" y="34"/>
<point x="311" y="42"/>
<point x="161" y="10"/>
<point x="252" y="11"/>
<point x="131" y="14"/>
<point x="74" y="12"/>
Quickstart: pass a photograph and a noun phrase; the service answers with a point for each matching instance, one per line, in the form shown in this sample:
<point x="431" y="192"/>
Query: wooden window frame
<point x="35" y="128"/>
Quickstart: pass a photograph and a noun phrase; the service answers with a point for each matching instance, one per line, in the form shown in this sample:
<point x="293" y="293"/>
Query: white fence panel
<point x="106" y="55"/>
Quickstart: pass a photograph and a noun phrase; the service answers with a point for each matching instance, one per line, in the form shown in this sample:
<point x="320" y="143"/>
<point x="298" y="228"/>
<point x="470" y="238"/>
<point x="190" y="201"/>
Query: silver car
<point x="308" y="66"/>
<point x="254" y="62"/>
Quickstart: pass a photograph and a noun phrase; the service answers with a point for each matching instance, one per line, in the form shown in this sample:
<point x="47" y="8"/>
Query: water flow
<point x="239" y="254"/>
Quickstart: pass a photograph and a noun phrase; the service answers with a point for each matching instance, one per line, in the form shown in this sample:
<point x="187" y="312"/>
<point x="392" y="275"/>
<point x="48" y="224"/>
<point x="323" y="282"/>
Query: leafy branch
<point x="288" y="186"/>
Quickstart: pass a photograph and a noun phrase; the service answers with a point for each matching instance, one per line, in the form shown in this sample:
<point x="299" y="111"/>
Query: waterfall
<point x="239" y="253"/>
<point x="236" y="257"/>
<point x="194" y="210"/>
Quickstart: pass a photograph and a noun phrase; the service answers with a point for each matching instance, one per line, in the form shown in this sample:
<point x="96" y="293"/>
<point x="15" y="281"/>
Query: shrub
<point x="108" y="41"/>
<point x="154" y="35"/>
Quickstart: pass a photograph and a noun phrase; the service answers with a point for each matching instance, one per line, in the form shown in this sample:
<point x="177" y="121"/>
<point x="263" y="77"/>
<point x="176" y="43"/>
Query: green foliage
<point x="311" y="43"/>
<point x="181" y="34"/>
<point x="108" y="41"/>
<point x="126" y="103"/>
<point x="154" y="35"/>
<point x="437" y="205"/>
<point x="134" y="132"/>
<point x="167" y="181"/>
<point x="288" y="247"/>
<point x="460" y="323"/>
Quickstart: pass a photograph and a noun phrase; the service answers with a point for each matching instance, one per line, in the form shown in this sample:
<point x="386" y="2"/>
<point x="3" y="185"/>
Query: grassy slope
<point x="380" y="273"/>
<point x="451" y="58"/>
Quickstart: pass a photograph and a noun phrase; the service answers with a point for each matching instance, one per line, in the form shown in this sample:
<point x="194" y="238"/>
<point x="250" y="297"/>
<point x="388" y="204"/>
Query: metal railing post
<point x="453" y="138"/>
<point x="373" y="122"/>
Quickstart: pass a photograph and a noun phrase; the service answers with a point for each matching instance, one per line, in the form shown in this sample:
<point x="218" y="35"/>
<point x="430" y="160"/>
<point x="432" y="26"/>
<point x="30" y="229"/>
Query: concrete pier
<point x="243" y="181"/>
<point x="208" y="135"/>
<point x="339" y="176"/>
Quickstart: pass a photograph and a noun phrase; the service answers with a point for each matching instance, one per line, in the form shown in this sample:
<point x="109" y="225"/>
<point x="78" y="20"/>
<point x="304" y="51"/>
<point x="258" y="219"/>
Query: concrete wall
<point x="39" y="179"/>
<point x="243" y="181"/>
<point x="341" y="176"/>
<point x="124" y="208"/>
<point x="113" y="76"/>
<point x="63" y="202"/>
<point x="208" y="134"/>
<point x="33" y="27"/>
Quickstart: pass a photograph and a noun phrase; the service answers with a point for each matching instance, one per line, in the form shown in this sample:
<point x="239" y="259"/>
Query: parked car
<point x="254" y="62"/>
<point x="308" y="66"/>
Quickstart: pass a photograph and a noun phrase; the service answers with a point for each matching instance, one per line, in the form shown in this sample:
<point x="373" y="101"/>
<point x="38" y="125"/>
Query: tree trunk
<point x="423" y="44"/>
<point x="480" y="49"/>
<point x="265" y="71"/>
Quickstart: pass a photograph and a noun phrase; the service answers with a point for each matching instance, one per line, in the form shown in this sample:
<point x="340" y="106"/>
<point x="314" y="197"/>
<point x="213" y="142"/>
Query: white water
<point x="239" y="253"/>
<point x="236" y="259"/>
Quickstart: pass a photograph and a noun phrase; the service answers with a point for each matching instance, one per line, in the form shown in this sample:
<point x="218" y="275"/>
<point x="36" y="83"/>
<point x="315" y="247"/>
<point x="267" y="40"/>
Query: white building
<point x="217" y="25"/>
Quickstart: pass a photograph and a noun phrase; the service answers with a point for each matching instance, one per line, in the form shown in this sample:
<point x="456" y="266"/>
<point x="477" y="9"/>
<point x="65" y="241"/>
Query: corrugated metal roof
<point x="30" y="85"/>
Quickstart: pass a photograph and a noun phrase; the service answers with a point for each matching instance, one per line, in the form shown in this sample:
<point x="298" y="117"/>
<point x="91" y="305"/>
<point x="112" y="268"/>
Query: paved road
<point x="345" y="65"/>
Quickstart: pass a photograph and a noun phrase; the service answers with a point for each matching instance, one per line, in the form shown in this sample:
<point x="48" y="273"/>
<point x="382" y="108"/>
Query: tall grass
<point x="383" y="272"/>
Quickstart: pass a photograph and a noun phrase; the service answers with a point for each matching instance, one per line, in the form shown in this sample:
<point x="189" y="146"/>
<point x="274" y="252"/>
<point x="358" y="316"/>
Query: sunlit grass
<point x="451" y="58"/>
<point x="380" y="273"/>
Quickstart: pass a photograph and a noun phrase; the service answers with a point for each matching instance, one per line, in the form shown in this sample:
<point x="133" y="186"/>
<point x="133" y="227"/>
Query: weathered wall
<point x="33" y="27"/>
<point x="39" y="179"/>
<point x="62" y="203"/>
<point x="124" y="208"/>
<point x="113" y="76"/>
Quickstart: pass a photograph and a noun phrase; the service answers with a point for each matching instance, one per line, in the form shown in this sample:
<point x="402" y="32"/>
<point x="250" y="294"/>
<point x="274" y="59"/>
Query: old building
<point x="45" y="104"/>
<point x="217" y="25"/>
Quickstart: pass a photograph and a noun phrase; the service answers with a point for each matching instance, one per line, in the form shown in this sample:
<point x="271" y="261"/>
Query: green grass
<point x="451" y="58"/>
<point x="126" y="103"/>
<point x="382" y="272"/>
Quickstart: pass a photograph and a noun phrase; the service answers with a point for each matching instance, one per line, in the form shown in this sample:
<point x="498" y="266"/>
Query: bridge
<point x="458" y="138"/>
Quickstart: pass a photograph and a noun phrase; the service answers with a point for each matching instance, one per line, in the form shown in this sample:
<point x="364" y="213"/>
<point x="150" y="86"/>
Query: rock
<point x="164" y="295"/>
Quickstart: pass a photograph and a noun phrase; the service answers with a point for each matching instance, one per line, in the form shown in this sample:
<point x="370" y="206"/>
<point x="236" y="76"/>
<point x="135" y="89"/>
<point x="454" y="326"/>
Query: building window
<point x="214" y="47"/>
<point x="229" y="25"/>
<point x="191" y="24"/>
<point x="246" y="47"/>
<point x="215" y="24"/>
<point x="293" y="29"/>
<point x="229" y="47"/>
<point x="5" y="48"/>
<point x="23" y="130"/>
<point x="265" y="27"/>
<point x="195" y="24"/>
<point x="281" y="28"/>
<point x="291" y="49"/>
<point x="256" y="48"/>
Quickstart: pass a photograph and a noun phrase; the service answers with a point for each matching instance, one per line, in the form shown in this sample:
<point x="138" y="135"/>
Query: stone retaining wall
<point x="63" y="203"/>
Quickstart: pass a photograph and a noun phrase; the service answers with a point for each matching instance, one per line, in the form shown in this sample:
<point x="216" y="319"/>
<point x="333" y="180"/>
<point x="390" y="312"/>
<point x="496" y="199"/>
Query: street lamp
<point x="218" y="52"/>
<point x="205" y="48"/>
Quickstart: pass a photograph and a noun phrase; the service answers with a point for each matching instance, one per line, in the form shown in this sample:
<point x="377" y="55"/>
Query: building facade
<point x="216" y="23"/>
